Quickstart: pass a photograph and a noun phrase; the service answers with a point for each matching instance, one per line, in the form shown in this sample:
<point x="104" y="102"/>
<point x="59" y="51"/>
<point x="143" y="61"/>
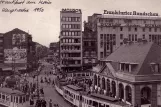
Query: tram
<point x="78" y="98"/>
<point x="12" y="98"/>
<point x="73" y="95"/>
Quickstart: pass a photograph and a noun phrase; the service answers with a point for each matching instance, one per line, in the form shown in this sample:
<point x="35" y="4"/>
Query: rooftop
<point x="141" y="54"/>
<point x="75" y="88"/>
<point x="10" y="91"/>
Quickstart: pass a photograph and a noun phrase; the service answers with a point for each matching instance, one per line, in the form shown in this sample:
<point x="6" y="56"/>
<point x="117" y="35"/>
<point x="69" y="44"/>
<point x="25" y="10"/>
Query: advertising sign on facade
<point x="72" y="10"/>
<point x="130" y="13"/>
<point x="15" y="56"/>
<point x="17" y="39"/>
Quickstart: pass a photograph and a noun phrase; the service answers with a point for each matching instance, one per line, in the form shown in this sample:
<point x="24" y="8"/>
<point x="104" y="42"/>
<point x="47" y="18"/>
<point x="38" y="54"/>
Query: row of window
<point x="71" y="40"/>
<point x="94" y="103"/>
<point x="154" y="37"/>
<point x="71" y="26"/>
<point x="90" y="53"/>
<point x="143" y="29"/>
<point x="71" y="33"/>
<point x="87" y="43"/>
<point x="125" y="67"/>
<point x="86" y="61"/>
<point x="108" y="36"/>
<point x="82" y="74"/>
<point x="133" y="37"/>
<point x="71" y="55"/>
<point x="69" y="62"/>
<point x="70" y="47"/>
<point x="101" y="20"/>
<point x="71" y="19"/>
<point x="72" y="95"/>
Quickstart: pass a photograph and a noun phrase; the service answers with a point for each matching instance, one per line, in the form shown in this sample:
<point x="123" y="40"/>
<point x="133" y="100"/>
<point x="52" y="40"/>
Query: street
<point x="49" y="90"/>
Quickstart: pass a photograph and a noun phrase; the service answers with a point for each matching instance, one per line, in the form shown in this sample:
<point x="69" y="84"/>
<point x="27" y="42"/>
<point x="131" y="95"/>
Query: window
<point x="121" y="29"/>
<point x="135" y="29"/>
<point x="136" y="38"/>
<point x="101" y="44"/>
<point x="155" y="29"/>
<point x="122" y="66"/>
<point x="144" y="21"/>
<point x="69" y="33"/>
<point x="143" y="36"/>
<point x="149" y="29"/>
<point x="101" y="54"/>
<point x="129" y="28"/>
<point x="157" y="68"/>
<point x="132" y="37"/>
<point x="129" y="37"/>
<point x="101" y="37"/>
<point x="143" y="29"/>
<point x="127" y="67"/>
<point x="70" y="19"/>
<point x="121" y="36"/>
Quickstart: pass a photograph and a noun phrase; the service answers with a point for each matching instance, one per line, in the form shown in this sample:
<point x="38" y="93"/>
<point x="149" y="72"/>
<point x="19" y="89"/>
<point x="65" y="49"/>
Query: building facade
<point x="89" y="44"/>
<point x="70" y="39"/>
<point x="16" y="50"/>
<point x="132" y="74"/>
<point x="113" y="29"/>
<point x="53" y="51"/>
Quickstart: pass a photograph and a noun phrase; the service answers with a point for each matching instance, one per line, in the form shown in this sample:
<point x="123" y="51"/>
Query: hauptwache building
<point x="132" y="74"/>
<point x="113" y="27"/>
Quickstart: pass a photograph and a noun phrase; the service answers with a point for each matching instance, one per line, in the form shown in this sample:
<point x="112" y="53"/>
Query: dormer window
<point x="127" y="66"/>
<point x="154" y="67"/>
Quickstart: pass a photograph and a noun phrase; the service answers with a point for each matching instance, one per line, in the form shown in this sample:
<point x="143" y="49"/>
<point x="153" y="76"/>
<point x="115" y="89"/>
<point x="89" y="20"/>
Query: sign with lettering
<point x="71" y="11"/>
<point x="128" y="25"/>
<point x="130" y="13"/>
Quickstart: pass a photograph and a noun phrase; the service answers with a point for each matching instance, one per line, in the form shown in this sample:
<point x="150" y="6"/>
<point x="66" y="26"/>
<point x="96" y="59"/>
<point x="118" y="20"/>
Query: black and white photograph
<point x="80" y="53"/>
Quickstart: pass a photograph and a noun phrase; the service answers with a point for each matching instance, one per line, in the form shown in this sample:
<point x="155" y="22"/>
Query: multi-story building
<point x="70" y="39"/>
<point x="113" y="28"/>
<point x="16" y="51"/>
<point x="53" y="51"/>
<point x="1" y="48"/>
<point x="89" y="44"/>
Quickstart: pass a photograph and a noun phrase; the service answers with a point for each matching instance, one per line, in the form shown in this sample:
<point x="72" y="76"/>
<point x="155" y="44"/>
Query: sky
<point x="45" y="26"/>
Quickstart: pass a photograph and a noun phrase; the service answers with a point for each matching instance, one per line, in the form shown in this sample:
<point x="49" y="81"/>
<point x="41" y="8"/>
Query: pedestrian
<point x="43" y="103"/>
<point x="31" y="101"/>
<point x="50" y="103"/>
<point x="38" y="103"/>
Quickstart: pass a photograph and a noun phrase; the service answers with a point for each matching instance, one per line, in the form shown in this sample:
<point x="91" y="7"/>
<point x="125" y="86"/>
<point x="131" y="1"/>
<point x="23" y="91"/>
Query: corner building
<point x="132" y="74"/>
<point x="113" y="30"/>
<point x="70" y="39"/>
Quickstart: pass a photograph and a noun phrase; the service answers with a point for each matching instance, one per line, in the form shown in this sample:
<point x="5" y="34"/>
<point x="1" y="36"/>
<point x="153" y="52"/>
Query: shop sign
<point x="118" y="12"/>
<point x="71" y="10"/>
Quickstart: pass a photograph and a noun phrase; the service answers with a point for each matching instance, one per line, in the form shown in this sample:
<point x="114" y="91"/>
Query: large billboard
<point x="15" y="56"/>
<point x="18" y="39"/>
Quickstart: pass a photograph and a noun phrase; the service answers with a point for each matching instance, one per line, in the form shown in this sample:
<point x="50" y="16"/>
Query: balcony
<point x="71" y="58"/>
<point x="71" y="44"/>
<point x="70" y="51"/>
<point x="62" y="37"/>
<point x="71" y="65"/>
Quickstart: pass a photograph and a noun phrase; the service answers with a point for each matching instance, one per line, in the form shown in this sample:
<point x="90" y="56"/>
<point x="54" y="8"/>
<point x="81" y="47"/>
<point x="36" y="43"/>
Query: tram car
<point x="72" y="94"/>
<point x="97" y="100"/>
<point x="78" y="98"/>
<point x="12" y="98"/>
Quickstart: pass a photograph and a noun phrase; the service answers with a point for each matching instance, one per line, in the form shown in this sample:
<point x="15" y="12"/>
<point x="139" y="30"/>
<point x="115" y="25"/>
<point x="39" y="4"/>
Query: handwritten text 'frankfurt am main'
<point x="24" y="2"/>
